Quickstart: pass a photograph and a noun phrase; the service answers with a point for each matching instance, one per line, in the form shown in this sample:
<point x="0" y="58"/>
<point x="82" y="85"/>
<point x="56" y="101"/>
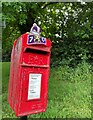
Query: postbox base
<point x="29" y="113"/>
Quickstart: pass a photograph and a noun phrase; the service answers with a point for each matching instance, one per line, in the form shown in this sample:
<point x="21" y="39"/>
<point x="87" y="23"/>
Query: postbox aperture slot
<point x="29" y="50"/>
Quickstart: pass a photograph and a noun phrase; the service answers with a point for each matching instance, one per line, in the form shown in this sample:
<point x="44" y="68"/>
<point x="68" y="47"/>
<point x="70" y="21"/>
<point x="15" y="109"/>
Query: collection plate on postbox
<point x="34" y="88"/>
<point x="29" y="73"/>
<point x="36" y="39"/>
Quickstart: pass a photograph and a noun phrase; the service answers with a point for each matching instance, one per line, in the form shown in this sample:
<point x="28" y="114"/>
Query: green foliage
<point x="68" y="25"/>
<point x="19" y="18"/>
<point x="71" y="52"/>
<point x="69" y="93"/>
<point x="82" y="72"/>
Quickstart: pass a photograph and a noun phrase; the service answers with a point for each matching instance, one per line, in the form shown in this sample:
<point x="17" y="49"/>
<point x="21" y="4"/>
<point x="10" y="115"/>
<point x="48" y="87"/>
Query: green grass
<point x="0" y="90"/>
<point x="6" y="110"/>
<point x="69" y="93"/>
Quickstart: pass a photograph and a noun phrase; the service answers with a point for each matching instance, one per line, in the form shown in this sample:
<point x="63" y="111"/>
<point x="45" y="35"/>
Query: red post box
<point x="29" y="74"/>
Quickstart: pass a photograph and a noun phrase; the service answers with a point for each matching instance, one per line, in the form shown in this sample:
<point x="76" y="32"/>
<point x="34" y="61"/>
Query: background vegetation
<point x="70" y="28"/>
<point x="68" y="25"/>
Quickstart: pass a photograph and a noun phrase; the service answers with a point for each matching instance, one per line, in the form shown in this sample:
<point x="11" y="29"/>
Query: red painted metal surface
<point x="26" y="61"/>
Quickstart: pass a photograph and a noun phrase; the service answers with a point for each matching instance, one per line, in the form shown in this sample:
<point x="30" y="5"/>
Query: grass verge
<point x="69" y="93"/>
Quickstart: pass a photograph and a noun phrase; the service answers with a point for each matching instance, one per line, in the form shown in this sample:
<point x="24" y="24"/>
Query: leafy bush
<point x="81" y="72"/>
<point x="72" y="52"/>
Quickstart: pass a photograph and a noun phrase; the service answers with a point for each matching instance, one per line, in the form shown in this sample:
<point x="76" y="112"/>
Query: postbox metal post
<point x="23" y="118"/>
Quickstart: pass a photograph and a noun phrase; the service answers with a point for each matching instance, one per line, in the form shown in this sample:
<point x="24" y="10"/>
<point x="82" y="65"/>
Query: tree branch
<point x="49" y="3"/>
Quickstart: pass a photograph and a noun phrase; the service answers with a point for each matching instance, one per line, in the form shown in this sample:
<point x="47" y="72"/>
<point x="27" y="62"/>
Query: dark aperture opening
<point x="29" y="50"/>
